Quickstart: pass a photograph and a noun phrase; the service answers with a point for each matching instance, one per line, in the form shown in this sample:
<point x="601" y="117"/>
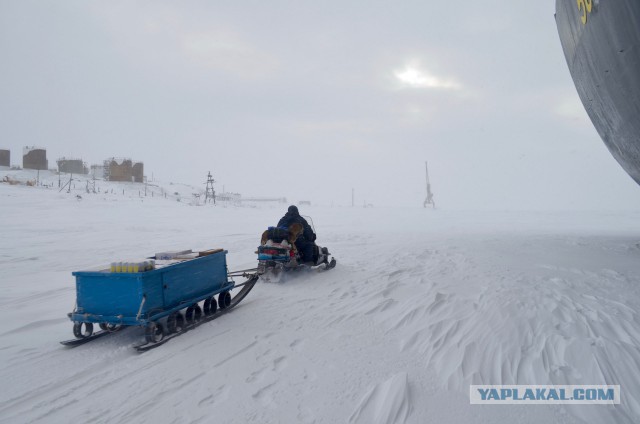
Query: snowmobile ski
<point x="330" y="265"/>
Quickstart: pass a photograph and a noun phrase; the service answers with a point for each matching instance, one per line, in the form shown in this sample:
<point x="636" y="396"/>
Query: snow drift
<point x="422" y="304"/>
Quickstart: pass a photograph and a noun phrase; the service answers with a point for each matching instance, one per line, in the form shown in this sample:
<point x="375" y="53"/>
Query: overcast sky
<point x="309" y="99"/>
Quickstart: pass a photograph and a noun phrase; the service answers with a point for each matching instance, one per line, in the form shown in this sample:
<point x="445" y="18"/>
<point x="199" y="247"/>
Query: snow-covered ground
<point x="422" y="304"/>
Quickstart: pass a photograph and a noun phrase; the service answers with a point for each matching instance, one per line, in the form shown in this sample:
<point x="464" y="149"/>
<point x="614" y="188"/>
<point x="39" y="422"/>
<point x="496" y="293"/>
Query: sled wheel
<point x="193" y="314"/>
<point x="112" y="328"/>
<point x="154" y="332"/>
<point x="210" y="306"/>
<point x="79" y="332"/>
<point x="224" y="300"/>
<point x="175" y="323"/>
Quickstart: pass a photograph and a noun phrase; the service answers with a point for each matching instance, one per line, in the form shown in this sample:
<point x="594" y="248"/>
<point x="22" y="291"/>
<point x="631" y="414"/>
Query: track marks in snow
<point x="35" y="325"/>
<point x="385" y="403"/>
<point x="279" y="363"/>
<point x="296" y="344"/>
<point x="47" y="296"/>
<point x="381" y="306"/>
<point x="238" y="352"/>
<point x="256" y="375"/>
<point x="216" y="397"/>
<point x="264" y="394"/>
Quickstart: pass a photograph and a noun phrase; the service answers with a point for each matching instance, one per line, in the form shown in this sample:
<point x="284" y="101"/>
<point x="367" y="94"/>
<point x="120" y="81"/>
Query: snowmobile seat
<point x="277" y="234"/>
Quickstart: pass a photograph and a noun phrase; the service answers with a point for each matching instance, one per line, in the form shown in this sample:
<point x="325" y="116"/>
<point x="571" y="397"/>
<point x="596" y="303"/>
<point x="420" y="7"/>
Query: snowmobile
<point x="278" y="254"/>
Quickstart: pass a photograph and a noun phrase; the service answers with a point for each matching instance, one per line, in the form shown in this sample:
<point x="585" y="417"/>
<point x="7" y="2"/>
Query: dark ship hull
<point x="601" y="42"/>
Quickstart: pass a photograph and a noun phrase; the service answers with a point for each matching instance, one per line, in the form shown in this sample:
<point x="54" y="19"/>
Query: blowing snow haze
<point x="308" y="100"/>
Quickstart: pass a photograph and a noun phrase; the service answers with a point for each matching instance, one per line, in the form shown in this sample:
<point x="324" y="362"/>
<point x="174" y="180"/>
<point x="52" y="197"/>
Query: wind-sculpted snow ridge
<point x="481" y="323"/>
<point x="386" y="403"/>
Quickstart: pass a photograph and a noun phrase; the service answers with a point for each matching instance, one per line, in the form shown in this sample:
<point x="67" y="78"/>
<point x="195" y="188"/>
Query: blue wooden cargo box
<point x="139" y="298"/>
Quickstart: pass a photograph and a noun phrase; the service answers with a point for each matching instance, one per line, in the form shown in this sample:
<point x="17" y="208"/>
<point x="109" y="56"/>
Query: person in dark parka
<point x="305" y="242"/>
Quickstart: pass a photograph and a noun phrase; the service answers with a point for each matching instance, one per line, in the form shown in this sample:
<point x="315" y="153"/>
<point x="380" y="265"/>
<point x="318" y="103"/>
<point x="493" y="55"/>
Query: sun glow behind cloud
<point x="416" y="78"/>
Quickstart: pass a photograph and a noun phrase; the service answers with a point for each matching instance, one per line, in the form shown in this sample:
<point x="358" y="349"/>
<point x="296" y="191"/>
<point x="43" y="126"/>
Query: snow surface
<point x="422" y="304"/>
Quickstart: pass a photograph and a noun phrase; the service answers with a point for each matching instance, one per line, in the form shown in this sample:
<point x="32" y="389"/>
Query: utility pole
<point x="210" y="193"/>
<point x="429" y="200"/>
<point x="67" y="184"/>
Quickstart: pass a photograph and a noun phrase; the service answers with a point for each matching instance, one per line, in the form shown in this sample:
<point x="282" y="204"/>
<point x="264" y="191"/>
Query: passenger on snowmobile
<point x="305" y="243"/>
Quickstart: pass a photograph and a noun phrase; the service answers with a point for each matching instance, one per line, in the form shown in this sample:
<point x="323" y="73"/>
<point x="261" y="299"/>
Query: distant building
<point x="265" y="199"/>
<point x="137" y="172"/>
<point x="34" y="158"/>
<point x="97" y="171"/>
<point x="117" y="169"/>
<point x="5" y="157"/>
<point x="229" y="197"/>
<point x="72" y="166"/>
